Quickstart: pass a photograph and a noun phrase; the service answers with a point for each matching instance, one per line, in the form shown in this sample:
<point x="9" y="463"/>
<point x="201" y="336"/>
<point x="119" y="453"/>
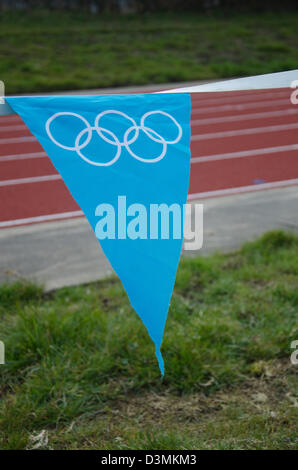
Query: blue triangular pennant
<point x="122" y="157"/>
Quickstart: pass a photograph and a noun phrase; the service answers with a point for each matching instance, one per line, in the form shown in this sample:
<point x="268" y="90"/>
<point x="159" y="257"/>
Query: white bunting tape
<point x="257" y="82"/>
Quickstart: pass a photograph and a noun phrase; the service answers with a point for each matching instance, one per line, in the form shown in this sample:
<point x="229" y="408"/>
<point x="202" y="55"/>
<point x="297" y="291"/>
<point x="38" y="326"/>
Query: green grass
<point x="45" y="51"/>
<point x="80" y="365"/>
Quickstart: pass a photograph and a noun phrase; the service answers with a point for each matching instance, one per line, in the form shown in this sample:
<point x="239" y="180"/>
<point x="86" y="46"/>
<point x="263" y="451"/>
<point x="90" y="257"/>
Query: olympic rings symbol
<point x="130" y="136"/>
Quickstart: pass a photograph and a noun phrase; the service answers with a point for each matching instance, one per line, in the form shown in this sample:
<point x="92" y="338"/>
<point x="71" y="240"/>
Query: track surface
<point x="241" y="141"/>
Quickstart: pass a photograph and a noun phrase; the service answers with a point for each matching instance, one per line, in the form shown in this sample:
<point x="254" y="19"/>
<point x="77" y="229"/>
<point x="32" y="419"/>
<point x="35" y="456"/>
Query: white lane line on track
<point x="33" y="179"/>
<point x="245" y="153"/>
<point x="205" y="158"/>
<point x="211" y="135"/>
<point x="9" y="119"/>
<point x="195" y="122"/>
<point x="248" y="97"/>
<point x="18" y="127"/>
<point x="240" y="107"/>
<point x="191" y="197"/>
<point x="244" y="117"/>
<point x="18" y="140"/>
<point x="41" y="218"/>
<point x="22" y="156"/>
<point x="243" y="189"/>
<point x="196" y="108"/>
<point x="254" y="130"/>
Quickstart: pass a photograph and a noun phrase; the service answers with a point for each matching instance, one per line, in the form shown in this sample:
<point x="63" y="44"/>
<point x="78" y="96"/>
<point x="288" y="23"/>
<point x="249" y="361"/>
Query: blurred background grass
<point x="48" y="50"/>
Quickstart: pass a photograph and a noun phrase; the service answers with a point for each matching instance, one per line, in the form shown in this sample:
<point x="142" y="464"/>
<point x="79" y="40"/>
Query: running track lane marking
<point x="18" y="140"/>
<point x="22" y="156"/>
<point x="227" y="107"/>
<point x="244" y="117"/>
<point x="200" y="98"/>
<point x="245" y="153"/>
<point x="197" y="98"/>
<point x="248" y="95"/>
<point x="34" y="179"/>
<point x="243" y="189"/>
<point x="240" y="107"/>
<point x="210" y="135"/>
<point x="194" y="160"/>
<point x="41" y="218"/>
<point x="191" y="197"/>
<point x="18" y="127"/>
<point x="222" y="156"/>
<point x="254" y="130"/>
<point x="194" y="122"/>
<point x="197" y="109"/>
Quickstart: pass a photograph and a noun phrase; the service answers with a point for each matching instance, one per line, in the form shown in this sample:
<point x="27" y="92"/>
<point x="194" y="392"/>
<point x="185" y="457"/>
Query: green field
<point x="59" y="51"/>
<point x="80" y="368"/>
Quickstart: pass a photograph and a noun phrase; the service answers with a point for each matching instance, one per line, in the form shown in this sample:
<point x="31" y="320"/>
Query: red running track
<point x="241" y="141"/>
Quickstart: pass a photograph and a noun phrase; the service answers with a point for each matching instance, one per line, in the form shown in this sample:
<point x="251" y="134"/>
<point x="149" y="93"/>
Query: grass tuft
<point x="18" y="293"/>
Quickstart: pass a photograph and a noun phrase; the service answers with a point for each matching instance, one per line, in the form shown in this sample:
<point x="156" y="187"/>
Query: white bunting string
<point x="257" y="82"/>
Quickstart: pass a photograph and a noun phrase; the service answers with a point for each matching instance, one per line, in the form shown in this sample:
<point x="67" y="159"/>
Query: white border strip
<point x="236" y="117"/>
<point x="204" y="158"/>
<point x="13" y="128"/>
<point x="239" y="106"/>
<point x="244" y="117"/>
<point x="18" y="140"/>
<point x="254" y="130"/>
<point x="211" y="135"/>
<point x="22" y="156"/>
<point x="243" y="189"/>
<point x="244" y="153"/>
<point x="41" y="218"/>
<point x="243" y="97"/>
<point x="191" y="197"/>
<point x="33" y="179"/>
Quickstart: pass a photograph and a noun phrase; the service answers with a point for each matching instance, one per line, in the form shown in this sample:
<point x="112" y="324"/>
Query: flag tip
<point x="160" y="361"/>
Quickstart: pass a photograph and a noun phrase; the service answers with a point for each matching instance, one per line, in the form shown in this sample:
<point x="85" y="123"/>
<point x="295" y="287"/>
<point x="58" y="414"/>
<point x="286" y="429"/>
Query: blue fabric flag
<point x="126" y="160"/>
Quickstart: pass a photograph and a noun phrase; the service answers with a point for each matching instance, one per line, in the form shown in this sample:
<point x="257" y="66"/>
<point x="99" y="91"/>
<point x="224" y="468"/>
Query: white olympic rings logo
<point x="113" y="140"/>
